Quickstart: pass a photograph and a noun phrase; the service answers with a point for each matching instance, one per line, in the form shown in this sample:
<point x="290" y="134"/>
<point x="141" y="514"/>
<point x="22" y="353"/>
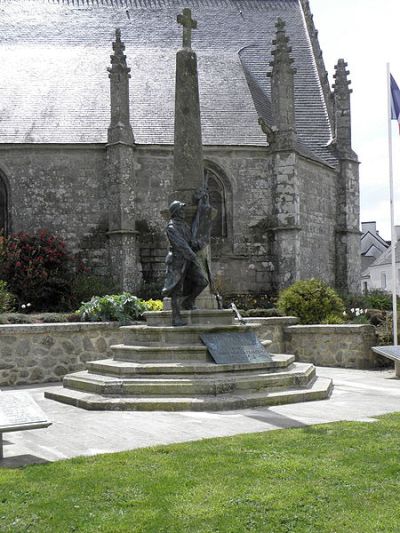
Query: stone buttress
<point x="285" y="188"/>
<point x="123" y="237"/>
<point x="348" y="205"/>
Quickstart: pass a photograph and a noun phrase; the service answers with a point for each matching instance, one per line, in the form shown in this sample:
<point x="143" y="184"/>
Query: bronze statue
<point x="185" y="278"/>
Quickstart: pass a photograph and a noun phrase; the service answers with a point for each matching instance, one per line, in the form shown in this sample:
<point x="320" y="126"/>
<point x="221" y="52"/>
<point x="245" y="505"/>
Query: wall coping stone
<point x="17" y="329"/>
<point x="274" y="320"/>
<point x="329" y="329"/>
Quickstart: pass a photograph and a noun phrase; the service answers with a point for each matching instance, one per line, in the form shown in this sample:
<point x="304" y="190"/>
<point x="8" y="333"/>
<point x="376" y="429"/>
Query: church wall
<point x="241" y="260"/>
<point x="243" y="263"/>
<point x="317" y="220"/>
<point x="154" y="170"/>
<point x="62" y="189"/>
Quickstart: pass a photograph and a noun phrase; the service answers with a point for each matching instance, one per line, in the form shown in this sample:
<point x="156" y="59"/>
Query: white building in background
<point x="378" y="275"/>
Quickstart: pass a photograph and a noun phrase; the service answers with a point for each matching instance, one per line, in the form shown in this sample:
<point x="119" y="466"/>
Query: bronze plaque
<point x="235" y="347"/>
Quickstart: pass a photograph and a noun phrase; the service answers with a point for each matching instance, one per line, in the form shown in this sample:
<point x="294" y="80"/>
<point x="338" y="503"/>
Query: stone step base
<point x="299" y="374"/>
<point x="196" y="317"/>
<point x="318" y="389"/>
<point x="156" y="352"/>
<point x="161" y="335"/>
<point x="127" y="368"/>
<point x="182" y="352"/>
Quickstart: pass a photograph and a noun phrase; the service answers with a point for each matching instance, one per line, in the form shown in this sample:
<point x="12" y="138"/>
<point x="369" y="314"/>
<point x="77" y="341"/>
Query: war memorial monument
<point x="193" y="356"/>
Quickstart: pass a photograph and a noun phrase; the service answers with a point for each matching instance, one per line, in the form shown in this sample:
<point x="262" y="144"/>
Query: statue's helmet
<point x="175" y="207"/>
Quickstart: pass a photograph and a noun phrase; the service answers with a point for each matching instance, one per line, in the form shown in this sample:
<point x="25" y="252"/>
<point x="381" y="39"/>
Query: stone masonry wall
<point x="40" y="353"/>
<point x="344" y="346"/>
<point x="60" y="188"/>
<point x="273" y="329"/>
<point x="64" y="188"/>
<point x="318" y="221"/>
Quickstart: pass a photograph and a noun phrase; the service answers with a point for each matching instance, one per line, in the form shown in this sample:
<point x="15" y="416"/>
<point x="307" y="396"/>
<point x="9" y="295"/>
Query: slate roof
<point x="386" y="257"/>
<point x="54" y="87"/>
<point x="369" y="240"/>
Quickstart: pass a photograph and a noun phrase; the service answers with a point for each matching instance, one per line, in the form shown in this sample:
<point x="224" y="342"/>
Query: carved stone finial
<point x="120" y="129"/>
<point x="188" y="25"/>
<point x="280" y="25"/>
<point x="282" y="49"/>
<point x="341" y="95"/>
<point x="118" y="59"/>
<point x="341" y="85"/>
<point x="282" y="91"/>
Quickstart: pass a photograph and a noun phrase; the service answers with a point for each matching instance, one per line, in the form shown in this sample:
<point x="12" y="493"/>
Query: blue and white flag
<point x="395" y="100"/>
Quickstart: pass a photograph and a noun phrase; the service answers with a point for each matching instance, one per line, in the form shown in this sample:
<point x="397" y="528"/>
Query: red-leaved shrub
<point x="37" y="269"/>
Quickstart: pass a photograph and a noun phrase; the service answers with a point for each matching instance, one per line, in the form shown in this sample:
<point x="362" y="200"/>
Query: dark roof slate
<point x="55" y="89"/>
<point x="386" y="257"/>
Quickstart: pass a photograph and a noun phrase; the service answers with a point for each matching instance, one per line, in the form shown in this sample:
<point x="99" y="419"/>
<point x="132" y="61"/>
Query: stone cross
<point x="188" y="24"/>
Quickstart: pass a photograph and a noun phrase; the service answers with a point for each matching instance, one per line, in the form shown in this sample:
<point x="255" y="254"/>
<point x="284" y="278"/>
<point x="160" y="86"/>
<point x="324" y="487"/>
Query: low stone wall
<point x="39" y="353"/>
<point x="345" y="346"/>
<point x="273" y="329"/>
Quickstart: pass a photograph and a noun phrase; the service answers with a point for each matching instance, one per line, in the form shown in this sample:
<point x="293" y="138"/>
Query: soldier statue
<point x="185" y="278"/>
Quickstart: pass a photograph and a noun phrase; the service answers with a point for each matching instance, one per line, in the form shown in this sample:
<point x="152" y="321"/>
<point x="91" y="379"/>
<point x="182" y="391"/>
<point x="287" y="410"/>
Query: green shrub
<point x="378" y="299"/>
<point x="7" y="300"/>
<point x="16" y="318"/>
<point x="264" y="313"/>
<point x="360" y="319"/>
<point x="37" y="318"/>
<point x="333" y="319"/>
<point x="312" y="301"/>
<point x="123" y="308"/>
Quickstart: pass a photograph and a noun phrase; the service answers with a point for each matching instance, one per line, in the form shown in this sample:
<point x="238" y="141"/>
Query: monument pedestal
<point x="160" y="367"/>
<point x="206" y="300"/>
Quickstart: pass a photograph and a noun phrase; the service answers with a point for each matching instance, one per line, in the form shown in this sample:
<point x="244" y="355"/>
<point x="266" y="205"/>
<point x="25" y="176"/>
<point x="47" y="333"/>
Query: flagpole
<point x="393" y="247"/>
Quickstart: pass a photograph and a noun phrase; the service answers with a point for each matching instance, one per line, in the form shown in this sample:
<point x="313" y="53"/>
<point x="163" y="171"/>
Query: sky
<point x="366" y="34"/>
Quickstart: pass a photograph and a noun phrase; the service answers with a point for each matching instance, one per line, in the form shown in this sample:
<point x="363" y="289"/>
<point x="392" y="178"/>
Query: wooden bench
<point x="18" y="412"/>
<point x="391" y="352"/>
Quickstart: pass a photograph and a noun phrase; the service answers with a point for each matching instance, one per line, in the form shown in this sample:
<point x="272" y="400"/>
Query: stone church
<point x="86" y="142"/>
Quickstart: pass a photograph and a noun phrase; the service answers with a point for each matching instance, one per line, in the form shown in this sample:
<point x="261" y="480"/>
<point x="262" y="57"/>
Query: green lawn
<point x="342" y="477"/>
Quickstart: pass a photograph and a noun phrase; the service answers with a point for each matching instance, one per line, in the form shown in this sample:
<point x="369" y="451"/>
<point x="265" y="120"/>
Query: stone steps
<point x="156" y="352"/>
<point x="163" y="335"/>
<point x="299" y="374"/>
<point x="183" y="352"/>
<point x="160" y="367"/>
<point x="202" y="317"/>
<point x="318" y="389"/>
<point x="123" y="368"/>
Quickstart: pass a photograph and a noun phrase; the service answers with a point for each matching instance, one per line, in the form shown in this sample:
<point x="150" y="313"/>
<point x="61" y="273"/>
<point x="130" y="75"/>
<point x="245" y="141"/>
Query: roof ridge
<point x="139" y="4"/>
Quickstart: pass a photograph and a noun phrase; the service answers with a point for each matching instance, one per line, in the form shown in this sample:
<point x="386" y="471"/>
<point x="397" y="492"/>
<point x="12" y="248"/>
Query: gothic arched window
<point x="216" y="192"/>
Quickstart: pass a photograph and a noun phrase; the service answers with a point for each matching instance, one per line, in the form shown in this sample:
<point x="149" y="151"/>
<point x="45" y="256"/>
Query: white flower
<point x="28" y="305"/>
<point x="23" y="306"/>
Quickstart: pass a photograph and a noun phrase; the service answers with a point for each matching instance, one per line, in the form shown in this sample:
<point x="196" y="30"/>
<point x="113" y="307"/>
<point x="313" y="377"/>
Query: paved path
<point x="358" y="395"/>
